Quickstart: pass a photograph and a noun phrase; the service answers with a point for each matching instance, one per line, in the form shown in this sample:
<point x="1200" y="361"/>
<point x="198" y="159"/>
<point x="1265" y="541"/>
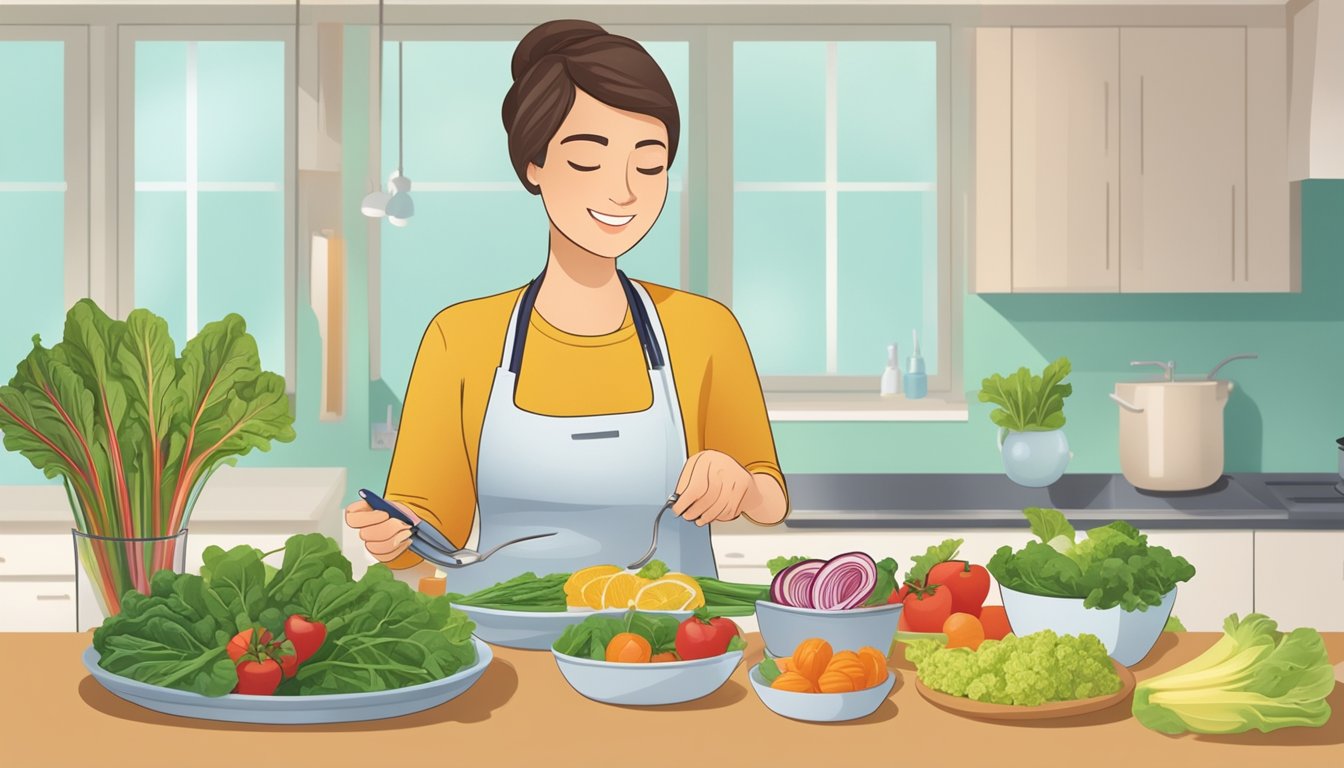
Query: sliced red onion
<point x="845" y="581"/>
<point x="793" y="585"/>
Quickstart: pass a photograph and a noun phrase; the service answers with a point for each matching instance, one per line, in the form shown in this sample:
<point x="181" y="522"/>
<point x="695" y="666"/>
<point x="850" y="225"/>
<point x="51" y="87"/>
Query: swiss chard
<point x="1028" y="403"/>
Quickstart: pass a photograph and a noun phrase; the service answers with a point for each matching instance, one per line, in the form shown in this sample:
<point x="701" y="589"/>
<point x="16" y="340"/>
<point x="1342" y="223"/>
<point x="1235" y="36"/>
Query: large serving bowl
<point x="822" y="707"/>
<point x="668" y="682"/>
<point x="1127" y="635"/>
<point x="534" y="630"/>
<point x="783" y="627"/>
<point x="293" y="710"/>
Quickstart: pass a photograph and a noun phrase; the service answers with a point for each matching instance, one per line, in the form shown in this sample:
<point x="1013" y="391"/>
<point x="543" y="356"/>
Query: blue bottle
<point x="916" y="380"/>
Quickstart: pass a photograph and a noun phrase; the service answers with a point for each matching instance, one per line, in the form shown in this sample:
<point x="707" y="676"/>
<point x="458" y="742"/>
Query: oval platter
<point x="960" y="705"/>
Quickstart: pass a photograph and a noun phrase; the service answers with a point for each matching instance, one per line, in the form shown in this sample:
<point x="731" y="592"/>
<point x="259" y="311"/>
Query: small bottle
<point x="891" y="377"/>
<point x="916" y="381"/>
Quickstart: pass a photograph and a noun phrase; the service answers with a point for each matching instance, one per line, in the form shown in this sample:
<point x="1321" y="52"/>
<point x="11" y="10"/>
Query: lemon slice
<point x="591" y="595"/>
<point x="695" y="587"/>
<point x="664" y="595"/>
<point x="579" y="579"/>
<point x="620" y="590"/>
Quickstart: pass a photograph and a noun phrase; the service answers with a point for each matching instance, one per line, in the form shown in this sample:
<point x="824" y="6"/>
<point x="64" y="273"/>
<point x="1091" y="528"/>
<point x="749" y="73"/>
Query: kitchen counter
<point x="523" y="713"/>
<point x="869" y="501"/>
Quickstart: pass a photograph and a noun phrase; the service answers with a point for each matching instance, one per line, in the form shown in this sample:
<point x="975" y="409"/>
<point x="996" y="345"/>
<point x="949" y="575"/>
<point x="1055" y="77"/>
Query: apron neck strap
<point x="638" y="312"/>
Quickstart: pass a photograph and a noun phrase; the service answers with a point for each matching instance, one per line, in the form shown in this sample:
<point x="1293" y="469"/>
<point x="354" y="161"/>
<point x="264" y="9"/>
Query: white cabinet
<point x="46" y="605"/>
<point x="1066" y="159"/>
<point x="1138" y="160"/>
<point x="1299" y="578"/>
<point x="1223" y="582"/>
<point x="1183" y="123"/>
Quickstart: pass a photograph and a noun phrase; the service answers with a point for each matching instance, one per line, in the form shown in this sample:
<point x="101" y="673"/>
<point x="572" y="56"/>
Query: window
<point x="43" y="196"/>
<point x="212" y="207"/>
<point x="839" y="183"/>
<point x="476" y="231"/>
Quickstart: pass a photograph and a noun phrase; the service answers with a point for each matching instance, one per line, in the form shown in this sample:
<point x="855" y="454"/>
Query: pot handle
<point x="1128" y="406"/>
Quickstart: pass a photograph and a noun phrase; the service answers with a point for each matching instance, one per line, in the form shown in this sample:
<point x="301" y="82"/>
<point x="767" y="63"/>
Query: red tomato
<point x="258" y="678"/>
<point x="925" y="611"/>
<point x="289" y="664"/>
<point x="242" y="642"/>
<point x="968" y="583"/>
<point x="700" y="638"/>
<point x="995" y="621"/>
<point x="898" y="595"/>
<point x="307" y="636"/>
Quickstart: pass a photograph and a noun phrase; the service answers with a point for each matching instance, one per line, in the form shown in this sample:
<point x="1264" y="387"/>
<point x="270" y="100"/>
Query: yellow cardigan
<point x="434" y="463"/>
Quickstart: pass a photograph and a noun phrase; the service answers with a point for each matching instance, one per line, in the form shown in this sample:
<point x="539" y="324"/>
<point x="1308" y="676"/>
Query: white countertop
<point x="252" y="494"/>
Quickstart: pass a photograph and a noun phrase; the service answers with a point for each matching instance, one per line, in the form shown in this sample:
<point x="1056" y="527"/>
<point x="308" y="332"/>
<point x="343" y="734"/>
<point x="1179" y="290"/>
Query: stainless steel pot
<point x="1171" y="430"/>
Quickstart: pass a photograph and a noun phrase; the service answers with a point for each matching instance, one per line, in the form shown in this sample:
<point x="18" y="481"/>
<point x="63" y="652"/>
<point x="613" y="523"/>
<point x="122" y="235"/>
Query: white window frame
<point x="127" y="37"/>
<point x="945" y="384"/>
<point x="691" y="156"/>
<point x="76" y="141"/>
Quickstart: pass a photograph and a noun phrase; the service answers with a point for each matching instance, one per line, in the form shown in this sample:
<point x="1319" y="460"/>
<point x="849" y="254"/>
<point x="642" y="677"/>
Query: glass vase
<point x="107" y="567"/>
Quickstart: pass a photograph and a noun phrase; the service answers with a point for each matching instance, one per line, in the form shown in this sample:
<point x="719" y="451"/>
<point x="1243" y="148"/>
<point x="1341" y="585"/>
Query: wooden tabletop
<point x="522" y="713"/>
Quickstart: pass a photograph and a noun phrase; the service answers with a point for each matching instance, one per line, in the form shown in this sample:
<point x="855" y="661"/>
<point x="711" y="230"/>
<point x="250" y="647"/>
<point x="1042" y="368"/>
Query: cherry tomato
<point x="926" y="609"/>
<point x="258" y="678"/>
<point x="242" y="642"/>
<point x="629" y="648"/>
<point x="968" y="583"/>
<point x="307" y="636"/>
<point x="701" y="637"/>
<point x="995" y="621"/>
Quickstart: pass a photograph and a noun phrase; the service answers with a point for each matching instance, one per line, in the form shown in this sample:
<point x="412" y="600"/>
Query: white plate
<point x="535" y="630"/>
<point x="293" y="710"/>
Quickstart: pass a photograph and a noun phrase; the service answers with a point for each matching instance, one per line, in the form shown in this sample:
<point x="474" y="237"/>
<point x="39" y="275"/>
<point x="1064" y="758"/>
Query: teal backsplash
<point x="1286" y="410"/>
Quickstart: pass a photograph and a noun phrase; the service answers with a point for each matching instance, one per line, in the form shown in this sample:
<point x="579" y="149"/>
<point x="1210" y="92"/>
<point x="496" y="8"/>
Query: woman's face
<point x="605" y="178"/>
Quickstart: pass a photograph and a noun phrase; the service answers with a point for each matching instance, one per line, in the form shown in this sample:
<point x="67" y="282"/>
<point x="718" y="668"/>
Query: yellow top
<point x="434" y="464"/>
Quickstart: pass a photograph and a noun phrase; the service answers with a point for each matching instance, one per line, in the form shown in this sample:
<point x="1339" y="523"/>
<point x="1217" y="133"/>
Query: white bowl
<point x="535" y="630"/>
<point x="1127" y="635"/>
<point x="666" y="682"/>
<point x="822" y="707"/>
<point x="783" y="627"/>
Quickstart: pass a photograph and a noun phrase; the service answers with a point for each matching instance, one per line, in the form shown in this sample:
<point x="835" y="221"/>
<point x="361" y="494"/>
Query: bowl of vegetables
<point x="1112" y="584"/>
<point x="818" y="684"/>
<point x="842" y="600"/>
<point x="647" y="659"/>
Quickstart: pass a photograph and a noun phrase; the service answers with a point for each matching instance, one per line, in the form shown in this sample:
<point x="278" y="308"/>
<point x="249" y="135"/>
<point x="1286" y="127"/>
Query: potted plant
<point x="1030" y="418"/>
<point x="134" y="432"/>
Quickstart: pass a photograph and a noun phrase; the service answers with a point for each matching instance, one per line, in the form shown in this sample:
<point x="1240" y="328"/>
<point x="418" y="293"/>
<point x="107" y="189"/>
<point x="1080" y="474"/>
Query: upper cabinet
<point x="1142" y="160"/>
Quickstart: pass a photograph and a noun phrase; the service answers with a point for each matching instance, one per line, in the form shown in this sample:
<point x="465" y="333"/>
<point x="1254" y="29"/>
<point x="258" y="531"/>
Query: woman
<point x="579" y="402"/>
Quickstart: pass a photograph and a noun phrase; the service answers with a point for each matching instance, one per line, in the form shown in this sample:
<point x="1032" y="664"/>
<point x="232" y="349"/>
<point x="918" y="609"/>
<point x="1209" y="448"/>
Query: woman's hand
<point x="713" y="486"/>
<point x="384" y="537"/>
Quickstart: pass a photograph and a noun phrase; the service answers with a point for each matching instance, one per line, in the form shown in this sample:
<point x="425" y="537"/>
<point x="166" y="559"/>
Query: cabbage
<point x="1254" y="677"/>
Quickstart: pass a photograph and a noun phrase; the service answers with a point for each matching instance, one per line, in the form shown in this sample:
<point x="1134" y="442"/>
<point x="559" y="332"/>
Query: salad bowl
<point x="534" y="630"/>
<point x="822" y="707"/>
<point x="783" y="627"/>
<point x="668" y="682"/>
<point x="1127" y="635"/>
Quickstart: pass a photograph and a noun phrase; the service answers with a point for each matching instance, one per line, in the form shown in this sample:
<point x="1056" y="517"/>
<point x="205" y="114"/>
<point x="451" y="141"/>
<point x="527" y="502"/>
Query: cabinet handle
<point x="1108" y="225"/>
<point x="53" y="597"/>
<point x="734" y="554"/>
<point x="1106" y="114"/>
<point x="2" y="559"/>
<point x="1234" y="233"/>
<point x="1142" y="126"/>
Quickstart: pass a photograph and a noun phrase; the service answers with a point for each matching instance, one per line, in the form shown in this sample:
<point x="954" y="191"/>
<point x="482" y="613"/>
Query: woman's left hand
<point x="713" y="486"/>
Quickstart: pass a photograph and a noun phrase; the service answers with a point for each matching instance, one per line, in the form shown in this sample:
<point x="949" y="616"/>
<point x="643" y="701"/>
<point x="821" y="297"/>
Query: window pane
<point x="459" y="246"/>
<point x="160" y="111"/>
<point x="779" y="111"/>
<point x="887" y="111"/>
<point x="32" y="251"/>
<point x="779" y="268"/>
<point x="242" y="268"/>
<point x="32" y="100"/>
<point x="161" y="258"/>
<point x="887" y="272"/>
<point x="241" y="110"/>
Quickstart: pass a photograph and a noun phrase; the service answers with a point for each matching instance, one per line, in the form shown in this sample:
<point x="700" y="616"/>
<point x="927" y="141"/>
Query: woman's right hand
<point x="384" y="537"/>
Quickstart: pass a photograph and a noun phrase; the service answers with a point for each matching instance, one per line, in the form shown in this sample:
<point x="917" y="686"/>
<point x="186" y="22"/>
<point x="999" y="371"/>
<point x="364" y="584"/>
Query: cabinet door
<point x="1222" y="583"/>
<point x="1066" y="159"/>
<point x="1183" y="159"/>
<point x="38" y="606"/>
<point x="1299" y="578"/>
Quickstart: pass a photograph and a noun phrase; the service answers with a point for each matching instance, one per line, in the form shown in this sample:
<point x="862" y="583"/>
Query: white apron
<point x="597" y="481"/>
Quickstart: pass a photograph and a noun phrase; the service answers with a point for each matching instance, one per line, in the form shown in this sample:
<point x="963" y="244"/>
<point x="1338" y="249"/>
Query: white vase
<point x="1034" y="459"/>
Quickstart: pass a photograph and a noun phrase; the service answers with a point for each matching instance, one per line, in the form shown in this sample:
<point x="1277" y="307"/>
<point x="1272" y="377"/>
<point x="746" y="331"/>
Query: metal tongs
<point x="427" y="542"/>
<point x="641" y="562"/>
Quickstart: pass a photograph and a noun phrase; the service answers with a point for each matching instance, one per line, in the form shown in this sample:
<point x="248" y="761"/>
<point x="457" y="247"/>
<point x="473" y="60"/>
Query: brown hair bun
<point x="558" y="57"/>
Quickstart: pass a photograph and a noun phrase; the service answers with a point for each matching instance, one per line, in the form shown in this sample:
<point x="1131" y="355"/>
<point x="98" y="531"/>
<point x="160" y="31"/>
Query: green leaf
<point x="239" y="580"/>
<point x="938" y="553"/>
<point x="777" y="564"/>
<point x="1047" y="524"/>
<point x="769" y="670"/>
<point x="307" y="556"/>
<point x="1028" y="403"/>
<point x="1173" y="624"/>
<point x="160" y="641"/>
<point x="886" y="581"/>
<point x="737" y="643"/>
<point x="656" y="569"/>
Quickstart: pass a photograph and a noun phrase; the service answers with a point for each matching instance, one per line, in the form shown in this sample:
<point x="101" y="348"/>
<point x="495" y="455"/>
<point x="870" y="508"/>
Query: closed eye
<point x="650" y="171"/>
<point x="578" y="167"/>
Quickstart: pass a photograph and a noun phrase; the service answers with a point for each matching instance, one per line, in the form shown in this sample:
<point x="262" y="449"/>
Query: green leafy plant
<point x="1028" y="403"/>
<point x="133" y="430"/>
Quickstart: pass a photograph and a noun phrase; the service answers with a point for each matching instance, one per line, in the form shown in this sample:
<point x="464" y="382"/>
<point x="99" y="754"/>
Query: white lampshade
<point x="374" y="204"/>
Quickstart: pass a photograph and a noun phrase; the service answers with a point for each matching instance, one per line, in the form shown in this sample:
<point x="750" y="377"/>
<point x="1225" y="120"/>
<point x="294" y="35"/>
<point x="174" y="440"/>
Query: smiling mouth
<point x="609" y="220"/>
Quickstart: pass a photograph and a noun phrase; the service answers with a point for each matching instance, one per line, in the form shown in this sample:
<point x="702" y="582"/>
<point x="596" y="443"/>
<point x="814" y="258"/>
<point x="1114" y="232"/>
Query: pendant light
<point x="400" y="208"/>
<point x="374" y="204"/>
